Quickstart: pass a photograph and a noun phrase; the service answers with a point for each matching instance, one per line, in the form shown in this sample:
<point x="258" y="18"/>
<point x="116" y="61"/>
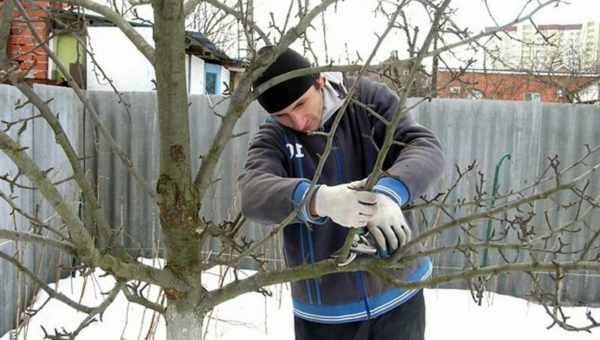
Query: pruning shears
<point x="362" y="244"/>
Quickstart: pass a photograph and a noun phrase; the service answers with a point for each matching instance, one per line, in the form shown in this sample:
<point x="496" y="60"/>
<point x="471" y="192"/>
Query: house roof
<point x="196" y="43"/>
<point x="91" y="19"/>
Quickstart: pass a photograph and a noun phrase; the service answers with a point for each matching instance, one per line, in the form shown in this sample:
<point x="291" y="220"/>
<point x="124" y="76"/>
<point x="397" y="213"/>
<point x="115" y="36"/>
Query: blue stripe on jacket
<point x="341" y="178"/>
<point x="297" y="196"/>
<point x="305" y="210"/>
<point x="393" y="188"/>
<point x="367" y="307"/>
<point x="355" y="311"/>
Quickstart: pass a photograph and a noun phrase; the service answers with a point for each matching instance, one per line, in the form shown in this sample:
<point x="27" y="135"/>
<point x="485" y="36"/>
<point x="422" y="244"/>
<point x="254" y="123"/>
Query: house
<point x="22" y="47"/>
<point x="104" y="57"/>
<point x="512" y="85"/>
<point x="394" y="72"/>
<point x="590" y="94"/>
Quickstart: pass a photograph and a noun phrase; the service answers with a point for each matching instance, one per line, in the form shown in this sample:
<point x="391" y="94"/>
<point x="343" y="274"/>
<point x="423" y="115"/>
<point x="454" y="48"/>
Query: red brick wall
<point x="22" y="44"/>
<point x="508" y="86"/>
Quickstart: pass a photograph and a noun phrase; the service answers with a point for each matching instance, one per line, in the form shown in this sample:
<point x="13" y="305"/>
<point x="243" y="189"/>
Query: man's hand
<point x="388" y="226"/>
<point x="345" y="204"/>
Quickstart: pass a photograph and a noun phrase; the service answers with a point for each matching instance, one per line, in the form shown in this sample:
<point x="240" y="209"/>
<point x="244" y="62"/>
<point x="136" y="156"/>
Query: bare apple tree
<point x="179" y="194"/>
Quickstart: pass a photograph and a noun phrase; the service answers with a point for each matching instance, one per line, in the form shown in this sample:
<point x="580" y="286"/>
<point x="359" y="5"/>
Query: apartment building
<point x="560" y="48"/>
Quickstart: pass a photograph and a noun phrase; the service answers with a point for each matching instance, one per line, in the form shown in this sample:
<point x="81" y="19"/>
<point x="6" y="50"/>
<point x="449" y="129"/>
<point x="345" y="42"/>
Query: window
<point x="533" y="97"/>
<point x="210" y="81"/>
<point x="475" y="94"/>
<point x="455" y="90"/>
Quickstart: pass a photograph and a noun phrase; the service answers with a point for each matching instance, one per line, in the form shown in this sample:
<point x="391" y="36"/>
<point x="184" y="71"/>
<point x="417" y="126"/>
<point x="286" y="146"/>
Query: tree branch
<point x="323" y="157"/>
<point x="62" y="139"/>
<point x="91" y="109"/>
<point x="63" y="335"/>
<point x="51" y="292"/>
<point x="35" y="238"/>
<point x="82" y="241"/>
<point x="348" y="68"/>
<point x="490" y="213"/>
<point x="240" y="101"/>
<point x="5" y="25"/>
<point x="190" y="5"/>
<point x="14" y="151"/>
<point x="490" y="32"/>
<point x="329" y="266"/>
<point x="34" y="220"/>
<point x="134" y="297"/>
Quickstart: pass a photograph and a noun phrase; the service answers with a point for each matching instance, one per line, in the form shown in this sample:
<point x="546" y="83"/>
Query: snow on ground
<point x="451" y="314"/>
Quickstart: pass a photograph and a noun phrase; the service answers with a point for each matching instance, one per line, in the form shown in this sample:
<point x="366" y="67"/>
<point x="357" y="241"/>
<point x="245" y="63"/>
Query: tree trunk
<point x="183" y="323"/>
<point x="178" y="203"/>
<point x="434" y="70"/>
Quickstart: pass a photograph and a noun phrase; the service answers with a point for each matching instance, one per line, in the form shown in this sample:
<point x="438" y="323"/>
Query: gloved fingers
<point x="366" y="210"/>
<point x="391" y="237"/>
<point x="401" y="233"/>
<point x="360" y="221"/>
<point x="366" y="197"/>
<point x="379" y="237"/>
<point x="350" y="222"/>
<point x="407" y="232"/>
<point x="351" y="219"/>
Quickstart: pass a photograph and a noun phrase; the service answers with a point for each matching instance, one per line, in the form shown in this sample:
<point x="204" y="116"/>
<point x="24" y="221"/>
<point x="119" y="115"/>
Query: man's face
<point x="305" y="113"/>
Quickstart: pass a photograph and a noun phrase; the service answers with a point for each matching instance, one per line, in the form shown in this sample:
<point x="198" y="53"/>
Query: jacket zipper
<point x="339" y="159"/>
<point x="310" y="283"/>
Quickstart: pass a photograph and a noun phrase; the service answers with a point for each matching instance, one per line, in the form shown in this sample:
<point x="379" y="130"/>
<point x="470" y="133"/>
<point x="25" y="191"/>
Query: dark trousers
<point x="406" y="322"/>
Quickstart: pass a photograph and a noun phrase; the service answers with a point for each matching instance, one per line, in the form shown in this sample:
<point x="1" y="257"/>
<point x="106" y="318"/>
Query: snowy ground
<point x="451" y="314"/>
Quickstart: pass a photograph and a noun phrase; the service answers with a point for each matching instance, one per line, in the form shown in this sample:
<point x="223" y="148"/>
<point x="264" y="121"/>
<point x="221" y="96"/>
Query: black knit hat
<point x="283" y="94"/>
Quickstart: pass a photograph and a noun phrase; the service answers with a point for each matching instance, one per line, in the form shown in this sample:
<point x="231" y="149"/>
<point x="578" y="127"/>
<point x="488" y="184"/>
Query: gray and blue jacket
<point x="281" y="162"/>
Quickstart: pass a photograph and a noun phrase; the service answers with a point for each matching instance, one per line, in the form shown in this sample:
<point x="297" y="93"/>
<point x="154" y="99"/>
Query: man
<point x="281" y="161"/>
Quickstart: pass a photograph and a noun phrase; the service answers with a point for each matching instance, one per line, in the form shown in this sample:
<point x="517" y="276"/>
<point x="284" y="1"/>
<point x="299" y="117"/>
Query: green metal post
<point x="493" y="203"/>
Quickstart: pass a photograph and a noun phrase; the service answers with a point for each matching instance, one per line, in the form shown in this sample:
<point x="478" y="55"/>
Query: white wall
<point x="128" y="68"/>
<point x="590" y="93"/>
<point x="195" y="79"/>
<point x="120" y="60"/>
<point x="224" y="79"/>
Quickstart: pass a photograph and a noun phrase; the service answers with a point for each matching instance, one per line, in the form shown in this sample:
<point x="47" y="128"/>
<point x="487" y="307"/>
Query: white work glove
<point x="346" y="204"/>
<point x="388" y="226"/>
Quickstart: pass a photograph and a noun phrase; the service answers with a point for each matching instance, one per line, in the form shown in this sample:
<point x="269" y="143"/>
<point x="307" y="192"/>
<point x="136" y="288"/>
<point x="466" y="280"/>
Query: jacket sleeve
<point x="415" y="160"/>
<point x="268" y="193"/>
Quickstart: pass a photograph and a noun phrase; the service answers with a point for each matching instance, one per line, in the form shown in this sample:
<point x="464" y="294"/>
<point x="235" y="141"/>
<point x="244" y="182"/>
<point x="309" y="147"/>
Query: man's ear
<point x="320" y="82"/>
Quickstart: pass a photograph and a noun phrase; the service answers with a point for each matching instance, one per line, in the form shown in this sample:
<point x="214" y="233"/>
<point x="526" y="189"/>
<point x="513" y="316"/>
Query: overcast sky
<point x="355" y="24"/>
